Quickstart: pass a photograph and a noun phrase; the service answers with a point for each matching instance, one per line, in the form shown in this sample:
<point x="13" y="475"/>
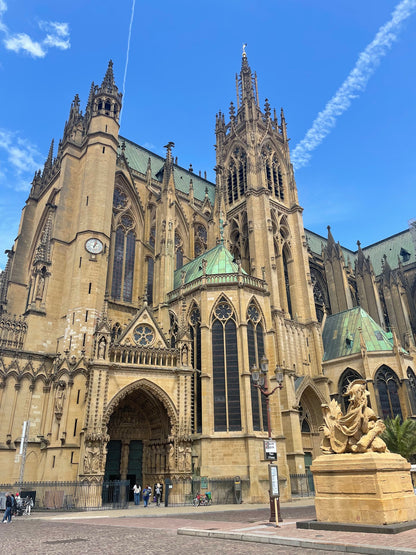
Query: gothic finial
<point x="283" y="124"/>
<point x="232" y="111"/>
<point x="123" y="146"/>
<point x="108" y="83"/>
<point x="244" y="50"/>
<point x="191" y="169"/>
<point x="267" y="110"/>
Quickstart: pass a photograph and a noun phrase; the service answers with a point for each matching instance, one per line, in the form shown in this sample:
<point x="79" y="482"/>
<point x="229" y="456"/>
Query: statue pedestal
<point x="367" y="488"/>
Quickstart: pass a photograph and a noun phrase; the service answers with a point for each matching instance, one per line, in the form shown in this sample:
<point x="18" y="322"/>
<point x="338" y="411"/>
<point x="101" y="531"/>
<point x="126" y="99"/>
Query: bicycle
<point x="204" y="500"/>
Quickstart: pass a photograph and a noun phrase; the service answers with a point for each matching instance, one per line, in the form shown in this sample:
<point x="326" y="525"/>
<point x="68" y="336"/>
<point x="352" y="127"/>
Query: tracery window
<point x="173" y="329"/>
<point x="412" y="389"/>
<point x="195" y="333"/>
<point x="149" y="285"/>
<point x="115" y="331"/>
<point x="123" y="261"/>
<point x="319" y="295"/>
<point x="200" y="240"/>
<point x="348" y="376"/>
<point x="387" y="384"/>
<point x="287" y="283"/>
<point x="226" y="379"/>
<point x="237" y="175"/>
<point x="274" y="175"/>
<point x="119" y="199"/>
<point x="255" y="341"/>
<point x="152" y="238"/>
<point x="124" y="250"/>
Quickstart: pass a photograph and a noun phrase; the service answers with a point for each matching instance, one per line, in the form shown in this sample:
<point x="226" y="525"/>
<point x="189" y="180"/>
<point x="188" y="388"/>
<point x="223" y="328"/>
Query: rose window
<point x="143" y="335"/>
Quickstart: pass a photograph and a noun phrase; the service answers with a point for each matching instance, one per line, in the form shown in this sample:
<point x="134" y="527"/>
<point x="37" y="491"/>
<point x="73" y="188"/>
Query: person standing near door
<point x="136" y="490"/>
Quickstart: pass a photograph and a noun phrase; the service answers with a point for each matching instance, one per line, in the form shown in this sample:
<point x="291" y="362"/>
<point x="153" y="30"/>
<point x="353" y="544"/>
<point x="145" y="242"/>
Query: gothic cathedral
<point x="138" y="296"/>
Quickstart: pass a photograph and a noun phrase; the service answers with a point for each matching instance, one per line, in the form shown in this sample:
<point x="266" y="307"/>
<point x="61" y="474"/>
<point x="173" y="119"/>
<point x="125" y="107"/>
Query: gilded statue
<point x="358" y="430"/>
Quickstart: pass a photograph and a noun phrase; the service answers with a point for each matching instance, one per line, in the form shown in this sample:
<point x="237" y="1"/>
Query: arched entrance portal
<point x="139" y="426"/>
<point x="310" y="414"/>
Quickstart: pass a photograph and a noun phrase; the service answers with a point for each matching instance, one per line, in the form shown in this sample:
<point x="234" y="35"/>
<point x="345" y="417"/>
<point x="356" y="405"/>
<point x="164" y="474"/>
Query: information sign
<point x="270" y="450"/>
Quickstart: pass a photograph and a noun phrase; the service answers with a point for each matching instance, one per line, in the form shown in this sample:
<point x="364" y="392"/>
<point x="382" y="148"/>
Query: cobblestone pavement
<point x="122" y="535"/>
<point x="186" y="530"/>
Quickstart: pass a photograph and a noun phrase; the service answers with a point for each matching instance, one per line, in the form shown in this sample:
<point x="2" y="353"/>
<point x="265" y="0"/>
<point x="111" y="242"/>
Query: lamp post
<point x="259" y="378"/>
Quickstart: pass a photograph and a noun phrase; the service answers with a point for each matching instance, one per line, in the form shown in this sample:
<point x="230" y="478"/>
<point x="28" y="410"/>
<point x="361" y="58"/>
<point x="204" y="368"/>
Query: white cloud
<point x="19" y="160"/>
<point x="57" y="36"/>
<point x="355" y="83"/>
<point x="21" y="41"/>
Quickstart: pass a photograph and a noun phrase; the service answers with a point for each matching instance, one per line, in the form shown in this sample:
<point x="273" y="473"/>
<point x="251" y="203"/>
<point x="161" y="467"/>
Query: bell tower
<point x="258" y="191"/>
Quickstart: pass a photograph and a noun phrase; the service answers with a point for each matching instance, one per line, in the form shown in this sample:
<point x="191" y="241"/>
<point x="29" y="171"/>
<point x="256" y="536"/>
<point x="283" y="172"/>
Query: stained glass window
<point x="255" y="352"/>
<point x="195" y="331"/>
<point x="226" y="377"/>
<point x="387" y="385"/>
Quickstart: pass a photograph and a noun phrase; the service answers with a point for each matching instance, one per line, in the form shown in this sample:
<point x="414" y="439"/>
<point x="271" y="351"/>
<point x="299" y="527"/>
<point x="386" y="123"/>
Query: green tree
<point x="400" y="437"/>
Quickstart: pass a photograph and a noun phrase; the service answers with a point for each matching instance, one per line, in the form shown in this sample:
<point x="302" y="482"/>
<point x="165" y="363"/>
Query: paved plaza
<point x="227" y="530"/>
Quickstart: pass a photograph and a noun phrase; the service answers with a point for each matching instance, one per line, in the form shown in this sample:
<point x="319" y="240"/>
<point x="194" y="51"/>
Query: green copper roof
<point x="394" y="248"/>
<point x="219" y="261"/>
<point x="138" y="156"/>
<point x="315" y="243"/>
<point x="397" y="247"/>
<point x="341" y="335"/>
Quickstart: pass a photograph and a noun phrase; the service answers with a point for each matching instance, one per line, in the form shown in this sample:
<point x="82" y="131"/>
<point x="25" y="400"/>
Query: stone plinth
<point x="367" y="488"/>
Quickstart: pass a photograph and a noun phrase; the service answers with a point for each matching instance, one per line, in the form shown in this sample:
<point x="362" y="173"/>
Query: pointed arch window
<point x="348" y="376"/>
<point x="123" y="260"/>
<point x="195" y="333"/>
<point x="255" y="341"/>
<point x="273" y="171"/>
<point x="412" y="389"/>
<point x="287" y="282"/>
<point x="149" y="286"/>
<point x="200" y="239"/>
<point x="388" y="386"/>
<point x="173" y="329"/>
<point x="178" y="250"/>
<point x="226" y="379"/>
<point x="237" y="175"/>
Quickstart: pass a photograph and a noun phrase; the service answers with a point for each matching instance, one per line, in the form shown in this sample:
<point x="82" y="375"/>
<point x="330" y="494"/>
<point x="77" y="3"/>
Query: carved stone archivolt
<point x="149" y="387"/>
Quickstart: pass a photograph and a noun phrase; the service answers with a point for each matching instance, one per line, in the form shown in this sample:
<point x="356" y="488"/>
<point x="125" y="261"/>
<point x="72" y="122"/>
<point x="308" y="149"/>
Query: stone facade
<point x="145" y="293"/>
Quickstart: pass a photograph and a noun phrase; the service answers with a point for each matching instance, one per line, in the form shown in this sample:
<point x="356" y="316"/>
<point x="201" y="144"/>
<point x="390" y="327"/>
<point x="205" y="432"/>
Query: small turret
<point x="107" y="98"/>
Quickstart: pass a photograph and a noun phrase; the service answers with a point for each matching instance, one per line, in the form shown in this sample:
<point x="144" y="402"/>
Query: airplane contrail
<point x="354" y="84"/>
<point x="127" y="55"/>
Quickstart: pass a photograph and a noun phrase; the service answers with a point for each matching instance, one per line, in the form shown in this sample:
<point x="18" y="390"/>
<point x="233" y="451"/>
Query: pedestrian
<point x="158" y="493"/>
<point x="28" y="505"/>
<point x="136" y="490"/>
<point x="7" y="517"/>
<point x="146" y="494"/>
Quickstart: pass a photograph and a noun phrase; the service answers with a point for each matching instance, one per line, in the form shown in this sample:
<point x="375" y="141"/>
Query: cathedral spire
<point x="49" y="160"/>
<point x="246" y="83"/>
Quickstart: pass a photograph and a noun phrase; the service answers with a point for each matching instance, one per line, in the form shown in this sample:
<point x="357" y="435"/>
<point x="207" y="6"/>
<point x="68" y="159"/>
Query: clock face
<point x="94" y="246"/>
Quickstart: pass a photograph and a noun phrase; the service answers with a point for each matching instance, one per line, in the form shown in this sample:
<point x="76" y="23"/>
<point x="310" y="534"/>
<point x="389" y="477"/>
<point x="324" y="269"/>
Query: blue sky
<point x="183" y="57"/>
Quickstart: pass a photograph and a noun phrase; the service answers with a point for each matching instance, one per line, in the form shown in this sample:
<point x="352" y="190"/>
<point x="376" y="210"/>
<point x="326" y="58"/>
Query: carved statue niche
<point x="60" y="399"/>
<point x="355" y="432"/>
<point x="101" y="348"/>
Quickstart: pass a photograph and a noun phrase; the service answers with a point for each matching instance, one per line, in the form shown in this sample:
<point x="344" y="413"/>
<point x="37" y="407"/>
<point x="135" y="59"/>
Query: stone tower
<point x="264" y="229"/>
